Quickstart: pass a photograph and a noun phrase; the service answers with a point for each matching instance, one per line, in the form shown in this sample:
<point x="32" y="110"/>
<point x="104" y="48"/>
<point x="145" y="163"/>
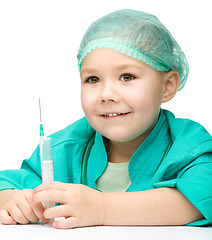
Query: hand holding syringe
<point x="46" y="160"/>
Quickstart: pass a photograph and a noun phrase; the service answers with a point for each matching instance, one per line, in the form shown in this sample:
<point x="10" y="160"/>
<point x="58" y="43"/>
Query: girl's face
<point x="121" y="96"/>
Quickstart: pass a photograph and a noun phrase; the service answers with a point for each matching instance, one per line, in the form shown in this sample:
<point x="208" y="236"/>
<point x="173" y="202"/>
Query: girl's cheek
<point x="87" y="104"/>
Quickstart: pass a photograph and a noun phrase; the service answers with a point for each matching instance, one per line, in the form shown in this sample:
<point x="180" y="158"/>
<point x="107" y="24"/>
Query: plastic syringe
<point x="46" y="160"/>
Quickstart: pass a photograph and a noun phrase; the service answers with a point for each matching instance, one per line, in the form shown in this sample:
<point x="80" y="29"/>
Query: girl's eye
<point x="93" y="80"/>
<point x="127" y="77"/>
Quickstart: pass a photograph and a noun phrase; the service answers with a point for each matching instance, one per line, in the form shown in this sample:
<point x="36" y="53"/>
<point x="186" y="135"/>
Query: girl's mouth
<point x="109" y="115"/>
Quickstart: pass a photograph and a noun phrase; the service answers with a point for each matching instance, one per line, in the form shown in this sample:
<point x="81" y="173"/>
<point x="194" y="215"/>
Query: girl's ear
<point x="171" y="83"/>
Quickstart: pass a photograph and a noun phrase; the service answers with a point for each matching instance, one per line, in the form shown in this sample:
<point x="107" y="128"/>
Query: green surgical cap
<point x="138" y="35"/>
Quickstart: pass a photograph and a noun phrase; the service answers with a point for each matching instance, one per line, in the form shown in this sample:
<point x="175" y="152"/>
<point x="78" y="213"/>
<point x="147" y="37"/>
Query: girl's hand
<point x="79" y="204"/>
<point x="16" y="208"/>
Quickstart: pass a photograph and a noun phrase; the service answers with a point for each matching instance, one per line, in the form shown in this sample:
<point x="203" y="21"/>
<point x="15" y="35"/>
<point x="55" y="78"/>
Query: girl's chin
<point x="121" y="138"/>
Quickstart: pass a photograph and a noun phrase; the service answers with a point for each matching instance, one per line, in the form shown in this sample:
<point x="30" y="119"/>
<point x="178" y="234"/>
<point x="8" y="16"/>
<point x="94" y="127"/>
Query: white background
<point x="38" y="47"/>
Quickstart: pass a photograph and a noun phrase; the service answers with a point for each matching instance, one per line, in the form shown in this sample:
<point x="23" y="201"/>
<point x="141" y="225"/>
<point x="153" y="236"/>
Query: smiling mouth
<point x="113" y="114"/>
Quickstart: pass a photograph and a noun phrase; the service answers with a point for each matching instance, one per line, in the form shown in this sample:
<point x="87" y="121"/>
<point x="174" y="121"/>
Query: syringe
<point x="46" y="160"/>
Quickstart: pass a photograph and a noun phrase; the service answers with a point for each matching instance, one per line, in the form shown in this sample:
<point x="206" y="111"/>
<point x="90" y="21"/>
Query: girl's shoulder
<point x="79" y="131"/>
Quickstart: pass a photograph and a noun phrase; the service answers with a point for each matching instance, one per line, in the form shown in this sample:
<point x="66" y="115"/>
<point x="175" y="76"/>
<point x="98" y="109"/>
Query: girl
<point x="128" y="162"/>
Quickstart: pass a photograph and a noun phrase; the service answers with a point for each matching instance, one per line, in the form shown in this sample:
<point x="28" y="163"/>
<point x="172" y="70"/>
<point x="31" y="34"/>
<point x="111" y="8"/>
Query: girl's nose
<point x="109" y="93"/>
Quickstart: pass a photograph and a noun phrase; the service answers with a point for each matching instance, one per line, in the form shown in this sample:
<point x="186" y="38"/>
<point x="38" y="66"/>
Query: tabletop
<point x="41" y="231"/>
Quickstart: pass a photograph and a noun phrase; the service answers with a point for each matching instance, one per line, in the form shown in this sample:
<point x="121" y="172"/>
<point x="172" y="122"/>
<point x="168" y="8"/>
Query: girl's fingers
<point x="27" y="210"/>
<point x="56" y="196"/>
<point x="57" y="212"/>
<point x="18" y="216"/>
<point x="51" y="185"/>
<point x="5" y="218"/>
<point x="70" y="222"/>
<point x="21" y="210"/>
<point x="39" y="210"/>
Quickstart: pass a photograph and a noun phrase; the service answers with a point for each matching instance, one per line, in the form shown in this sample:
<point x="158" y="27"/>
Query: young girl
<point x="128" y="162"/>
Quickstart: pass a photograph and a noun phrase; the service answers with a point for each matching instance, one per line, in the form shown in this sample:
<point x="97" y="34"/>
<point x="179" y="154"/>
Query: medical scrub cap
<point x="138" y="35"/>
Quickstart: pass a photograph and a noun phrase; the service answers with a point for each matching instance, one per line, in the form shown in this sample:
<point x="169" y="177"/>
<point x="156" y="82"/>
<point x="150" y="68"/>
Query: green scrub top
<point x="187" y="167"/>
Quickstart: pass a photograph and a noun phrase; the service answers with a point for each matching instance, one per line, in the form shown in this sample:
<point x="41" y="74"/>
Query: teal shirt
<point x="187" y="167"/>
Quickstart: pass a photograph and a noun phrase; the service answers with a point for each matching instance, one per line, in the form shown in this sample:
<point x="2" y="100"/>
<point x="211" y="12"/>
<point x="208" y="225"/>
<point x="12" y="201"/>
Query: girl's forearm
<point x="162" y="206"/>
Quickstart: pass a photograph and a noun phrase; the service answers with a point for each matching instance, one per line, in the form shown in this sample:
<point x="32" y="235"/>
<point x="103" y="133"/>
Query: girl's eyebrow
<point x="120" y="67"/>
<point x="88" y="70"/>
<point x="123" y="66"/>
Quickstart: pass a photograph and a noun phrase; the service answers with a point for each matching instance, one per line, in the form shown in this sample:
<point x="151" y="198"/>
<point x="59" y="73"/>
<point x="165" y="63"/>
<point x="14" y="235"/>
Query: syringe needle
<point x="41" y="124"/>
<point x="40" y="111"/>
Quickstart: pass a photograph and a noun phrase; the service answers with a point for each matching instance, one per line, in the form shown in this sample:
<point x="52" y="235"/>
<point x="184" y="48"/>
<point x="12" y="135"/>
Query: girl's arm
<point x="84" y="206"/>
<point x="162" y="206"/>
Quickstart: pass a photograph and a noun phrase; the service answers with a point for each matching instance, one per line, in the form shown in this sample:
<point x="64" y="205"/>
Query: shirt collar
<point x="147" y="158"/>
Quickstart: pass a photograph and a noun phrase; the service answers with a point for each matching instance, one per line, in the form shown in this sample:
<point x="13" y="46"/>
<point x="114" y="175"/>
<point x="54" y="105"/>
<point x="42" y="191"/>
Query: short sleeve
<point x="195" y="182"/>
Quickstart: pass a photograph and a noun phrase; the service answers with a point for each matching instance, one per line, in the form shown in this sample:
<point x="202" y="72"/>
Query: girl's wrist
<point x="107" y="207"/>
<point x="103" y="207"/>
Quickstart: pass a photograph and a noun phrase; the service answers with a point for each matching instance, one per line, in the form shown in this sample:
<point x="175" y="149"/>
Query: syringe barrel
<point x="46" y="159"/>
<point x="46" y="165"/>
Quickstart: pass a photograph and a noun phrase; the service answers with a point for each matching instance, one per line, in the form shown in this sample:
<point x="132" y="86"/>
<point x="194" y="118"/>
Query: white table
<point x="40" y="232"/>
